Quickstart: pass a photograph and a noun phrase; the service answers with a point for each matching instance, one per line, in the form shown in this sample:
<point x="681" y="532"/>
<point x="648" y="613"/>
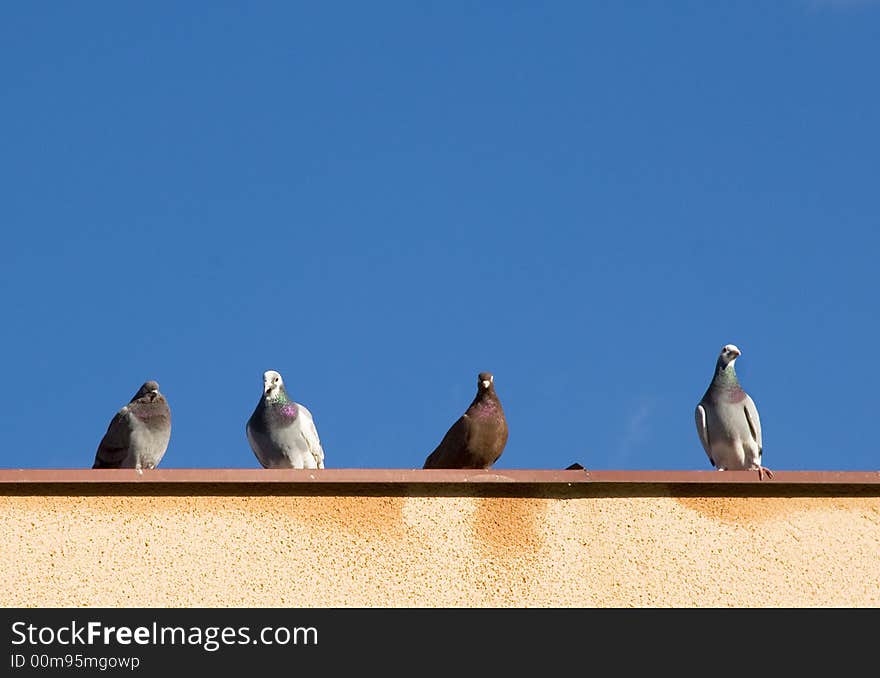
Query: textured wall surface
<point x="609" y="548"/>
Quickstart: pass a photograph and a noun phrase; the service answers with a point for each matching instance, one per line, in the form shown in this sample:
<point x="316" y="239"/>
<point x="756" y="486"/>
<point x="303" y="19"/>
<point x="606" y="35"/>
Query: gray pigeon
<point x="478" y="437"/>
<point x="727" y="420"/>
<point x="138" y="434"/>
<point x="281" y="432"/>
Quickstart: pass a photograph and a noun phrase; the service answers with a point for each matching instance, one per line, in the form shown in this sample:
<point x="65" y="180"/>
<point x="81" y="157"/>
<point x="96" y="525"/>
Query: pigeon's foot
<point x="762" y="470"/>
<point x="140" y="471"/>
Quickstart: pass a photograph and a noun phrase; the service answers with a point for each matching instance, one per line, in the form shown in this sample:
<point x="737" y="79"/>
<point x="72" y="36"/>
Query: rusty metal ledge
<point x="366" y="477"/>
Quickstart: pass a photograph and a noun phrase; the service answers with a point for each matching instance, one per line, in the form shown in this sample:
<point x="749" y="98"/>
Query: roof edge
<point x="369" y="476"/>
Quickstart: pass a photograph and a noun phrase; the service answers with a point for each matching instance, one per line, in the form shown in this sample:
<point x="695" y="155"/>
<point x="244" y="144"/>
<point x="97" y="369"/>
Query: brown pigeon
<point x="138" y="435"/>
<point x="477" y="439"/>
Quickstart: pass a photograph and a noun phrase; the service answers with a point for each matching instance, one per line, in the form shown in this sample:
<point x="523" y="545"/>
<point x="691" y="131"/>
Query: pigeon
<point x="477" y="439"/>
<point x="138" y="434"/>
<point x="727" y="420"/>
<point x="281" y="432"/>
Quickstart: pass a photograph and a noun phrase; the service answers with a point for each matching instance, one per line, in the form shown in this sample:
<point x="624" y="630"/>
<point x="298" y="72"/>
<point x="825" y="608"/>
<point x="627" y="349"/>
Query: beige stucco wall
<point x="612" y="549"/>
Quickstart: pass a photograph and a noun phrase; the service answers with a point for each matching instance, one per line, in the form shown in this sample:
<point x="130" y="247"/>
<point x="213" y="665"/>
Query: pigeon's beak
<point x="736" y="353"/>
<point x="486" y="383"/>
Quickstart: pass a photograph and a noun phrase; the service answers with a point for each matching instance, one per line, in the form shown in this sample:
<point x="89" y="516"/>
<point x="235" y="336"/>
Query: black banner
<point x="157" y="642"/>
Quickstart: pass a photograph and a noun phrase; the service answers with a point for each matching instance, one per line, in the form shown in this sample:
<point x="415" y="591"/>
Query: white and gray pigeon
<point x="138" y="434"/>
<point x="727" y="420"/>
<point x="281" y="432"/>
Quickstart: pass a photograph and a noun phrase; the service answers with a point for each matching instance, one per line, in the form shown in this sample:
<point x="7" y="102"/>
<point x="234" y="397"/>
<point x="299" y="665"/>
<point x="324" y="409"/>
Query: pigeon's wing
<point x="753" y="420"/>
<point x="309" y="434"/>
<point x="262" y="445"/>
<point x="703" y="430"/>
<point x="449" y="452"/>
<point x="252" y="437"/>
<point x="113" y="448"/>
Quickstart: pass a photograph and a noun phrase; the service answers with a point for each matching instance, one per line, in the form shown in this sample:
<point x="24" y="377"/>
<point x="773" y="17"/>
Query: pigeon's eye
<point x="275" y="380"/>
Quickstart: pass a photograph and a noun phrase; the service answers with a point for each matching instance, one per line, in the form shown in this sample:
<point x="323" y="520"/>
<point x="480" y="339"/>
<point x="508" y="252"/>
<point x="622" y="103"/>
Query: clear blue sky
<point x="380" y="200"/>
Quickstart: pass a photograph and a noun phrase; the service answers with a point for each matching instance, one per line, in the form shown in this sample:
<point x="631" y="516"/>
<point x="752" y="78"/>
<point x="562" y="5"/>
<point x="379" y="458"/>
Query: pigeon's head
<point x="272" y="383"/>
<point x="149" y="391"/>
<point x="484" y="381"/>
<point x="728" y="354"/>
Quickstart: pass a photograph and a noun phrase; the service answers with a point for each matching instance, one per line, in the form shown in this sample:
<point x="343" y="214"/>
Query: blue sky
<point x="380" y="200"/>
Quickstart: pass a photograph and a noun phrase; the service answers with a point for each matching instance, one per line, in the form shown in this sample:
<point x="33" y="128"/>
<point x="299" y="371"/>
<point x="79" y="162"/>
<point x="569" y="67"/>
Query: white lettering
<point x="15" y="630"/>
